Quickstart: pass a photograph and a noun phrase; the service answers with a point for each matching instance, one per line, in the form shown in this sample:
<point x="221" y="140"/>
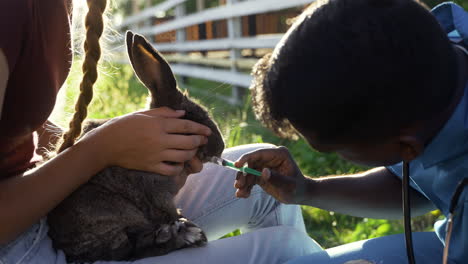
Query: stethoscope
<point x="407" y="214"/>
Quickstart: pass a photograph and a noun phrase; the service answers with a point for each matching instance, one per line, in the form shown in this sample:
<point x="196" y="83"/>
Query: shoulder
<point x="17" y="9"/>
<point x="15" y="4"/>
<point x="15" y="17"/>
<point x="454" y="20"/>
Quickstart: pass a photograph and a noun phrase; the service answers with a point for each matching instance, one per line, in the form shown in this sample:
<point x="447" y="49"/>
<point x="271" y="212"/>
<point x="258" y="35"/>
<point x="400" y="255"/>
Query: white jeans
<point x="272" y="232"/>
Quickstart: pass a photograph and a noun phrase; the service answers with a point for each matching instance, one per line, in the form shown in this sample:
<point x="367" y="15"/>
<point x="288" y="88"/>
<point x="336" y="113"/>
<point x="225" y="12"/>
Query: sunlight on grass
<point x="117" y="92"/>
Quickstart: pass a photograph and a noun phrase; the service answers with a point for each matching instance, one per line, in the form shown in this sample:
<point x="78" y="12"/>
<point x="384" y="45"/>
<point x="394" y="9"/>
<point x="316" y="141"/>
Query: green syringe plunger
<point x="230" y="164"/>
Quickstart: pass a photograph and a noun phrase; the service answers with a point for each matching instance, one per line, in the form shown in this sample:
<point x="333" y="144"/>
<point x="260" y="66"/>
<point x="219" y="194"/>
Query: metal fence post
<point x="181" y="35"/>
<point x="234" y="27"/>
<point x="201" y="27"/>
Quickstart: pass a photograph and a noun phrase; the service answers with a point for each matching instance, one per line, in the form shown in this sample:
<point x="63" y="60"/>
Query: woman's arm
<point x="3" y="78"/>
<point x="24" y="199"/>
<point x="142" y="141"/>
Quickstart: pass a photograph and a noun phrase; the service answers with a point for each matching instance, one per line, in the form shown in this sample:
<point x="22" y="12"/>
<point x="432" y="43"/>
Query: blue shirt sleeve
<point x="396" y="169"/>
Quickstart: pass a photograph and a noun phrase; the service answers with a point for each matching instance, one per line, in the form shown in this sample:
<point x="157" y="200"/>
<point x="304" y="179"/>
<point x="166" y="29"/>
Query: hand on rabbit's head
<point x="155" y="73"/>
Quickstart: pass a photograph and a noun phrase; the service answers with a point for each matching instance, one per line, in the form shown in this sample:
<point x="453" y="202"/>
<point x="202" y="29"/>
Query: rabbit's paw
<point x="163" y="234"/>
<point x="188" y="234"/>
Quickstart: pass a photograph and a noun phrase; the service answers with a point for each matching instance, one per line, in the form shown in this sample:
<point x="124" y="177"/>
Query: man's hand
<point x="281" y="177"/>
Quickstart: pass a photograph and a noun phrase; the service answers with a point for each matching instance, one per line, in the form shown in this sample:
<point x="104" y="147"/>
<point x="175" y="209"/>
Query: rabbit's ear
<point x="153" y="71"/>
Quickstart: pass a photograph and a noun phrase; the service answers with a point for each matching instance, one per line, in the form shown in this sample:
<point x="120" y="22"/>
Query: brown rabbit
<point x="123" y="214"/>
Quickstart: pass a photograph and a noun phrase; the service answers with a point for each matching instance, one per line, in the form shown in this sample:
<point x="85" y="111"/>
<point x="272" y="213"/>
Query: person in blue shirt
<point x="378" y="82"/>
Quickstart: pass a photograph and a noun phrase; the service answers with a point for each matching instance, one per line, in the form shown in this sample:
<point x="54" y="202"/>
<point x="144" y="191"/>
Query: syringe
<point x="230" y="164"/>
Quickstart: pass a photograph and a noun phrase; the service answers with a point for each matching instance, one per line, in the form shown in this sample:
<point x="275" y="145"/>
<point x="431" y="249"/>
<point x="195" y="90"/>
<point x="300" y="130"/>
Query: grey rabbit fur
<point x="123" y="214"/>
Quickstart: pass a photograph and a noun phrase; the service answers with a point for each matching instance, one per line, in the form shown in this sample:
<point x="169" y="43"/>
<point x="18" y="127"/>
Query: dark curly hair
<point x="349" y="70"/>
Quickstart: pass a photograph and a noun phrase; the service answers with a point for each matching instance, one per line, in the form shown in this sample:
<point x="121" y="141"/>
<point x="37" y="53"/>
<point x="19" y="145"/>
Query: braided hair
<point x="94" y="25"/>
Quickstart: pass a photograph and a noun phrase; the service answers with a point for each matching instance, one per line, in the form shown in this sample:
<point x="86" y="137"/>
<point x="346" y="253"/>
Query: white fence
<point x="232" y="11"/>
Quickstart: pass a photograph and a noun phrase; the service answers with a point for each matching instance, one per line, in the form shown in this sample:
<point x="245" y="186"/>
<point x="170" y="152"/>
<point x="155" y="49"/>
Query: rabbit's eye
<point x="201" y="155"/>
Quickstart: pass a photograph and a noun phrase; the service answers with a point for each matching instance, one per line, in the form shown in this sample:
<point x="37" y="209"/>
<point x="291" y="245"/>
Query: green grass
<point x="118" y="92"/>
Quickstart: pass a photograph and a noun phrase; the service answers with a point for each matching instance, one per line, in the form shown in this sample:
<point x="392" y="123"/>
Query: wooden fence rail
<point x="149" y="22"/>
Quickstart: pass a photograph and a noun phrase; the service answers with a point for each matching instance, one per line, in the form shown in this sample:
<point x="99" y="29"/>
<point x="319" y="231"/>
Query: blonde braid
<point x="94" y="25"/>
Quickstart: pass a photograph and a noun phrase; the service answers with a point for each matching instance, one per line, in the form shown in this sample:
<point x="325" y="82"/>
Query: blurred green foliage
<point x="118" y="93"/>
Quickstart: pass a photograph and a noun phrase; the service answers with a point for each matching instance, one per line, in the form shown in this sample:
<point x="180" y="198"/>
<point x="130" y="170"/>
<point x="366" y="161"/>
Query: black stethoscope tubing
<point x="407" y="214"/>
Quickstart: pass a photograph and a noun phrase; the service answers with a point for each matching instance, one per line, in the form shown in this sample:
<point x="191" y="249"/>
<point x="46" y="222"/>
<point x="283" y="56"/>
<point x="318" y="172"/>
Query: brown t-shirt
<point x="35" y="37"/>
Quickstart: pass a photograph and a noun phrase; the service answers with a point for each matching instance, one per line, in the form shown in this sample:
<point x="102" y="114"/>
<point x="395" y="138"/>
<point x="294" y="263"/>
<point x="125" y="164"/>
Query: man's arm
<point x="375" y="194"/>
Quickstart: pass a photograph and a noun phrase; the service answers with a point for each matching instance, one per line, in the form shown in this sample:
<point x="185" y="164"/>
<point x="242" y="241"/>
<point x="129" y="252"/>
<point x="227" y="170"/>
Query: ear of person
<point x="410" y="147"/>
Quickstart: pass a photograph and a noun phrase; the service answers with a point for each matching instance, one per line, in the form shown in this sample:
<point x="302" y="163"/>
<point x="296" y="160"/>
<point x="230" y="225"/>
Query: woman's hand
<point x="281" y="177"/>
<point x="156" y="140"/>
